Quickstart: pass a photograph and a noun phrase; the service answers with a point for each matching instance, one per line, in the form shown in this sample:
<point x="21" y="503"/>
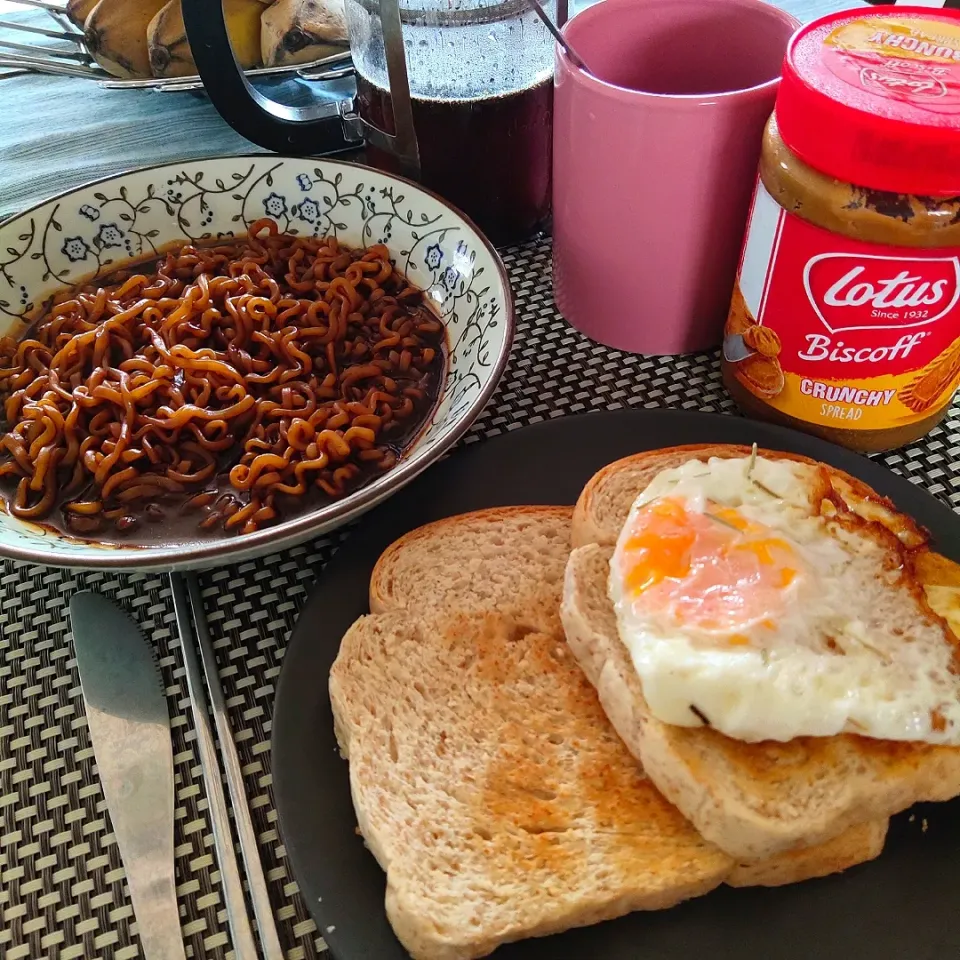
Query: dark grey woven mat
<point x="62" y="890"/>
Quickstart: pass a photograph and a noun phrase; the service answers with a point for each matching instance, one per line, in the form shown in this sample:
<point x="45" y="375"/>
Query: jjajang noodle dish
<point x="222" y="387"/>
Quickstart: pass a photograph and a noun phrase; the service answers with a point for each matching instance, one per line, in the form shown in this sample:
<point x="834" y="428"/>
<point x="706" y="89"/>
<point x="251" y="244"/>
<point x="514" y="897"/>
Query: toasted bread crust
<point x="603" y="504"/>
<point x="857" y="845"/>
<point x="392" y="583"/>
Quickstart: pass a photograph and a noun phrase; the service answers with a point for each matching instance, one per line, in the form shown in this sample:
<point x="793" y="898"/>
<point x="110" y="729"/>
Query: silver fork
<point x="194" y="634"/>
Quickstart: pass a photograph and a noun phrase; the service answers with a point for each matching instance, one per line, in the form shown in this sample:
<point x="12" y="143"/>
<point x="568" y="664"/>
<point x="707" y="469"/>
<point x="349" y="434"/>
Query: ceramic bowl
<point x="85" y="231"/>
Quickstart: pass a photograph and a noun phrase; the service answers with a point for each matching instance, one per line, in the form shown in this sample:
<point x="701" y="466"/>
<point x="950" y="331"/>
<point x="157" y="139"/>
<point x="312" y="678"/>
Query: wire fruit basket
<point x="60" y="48"/>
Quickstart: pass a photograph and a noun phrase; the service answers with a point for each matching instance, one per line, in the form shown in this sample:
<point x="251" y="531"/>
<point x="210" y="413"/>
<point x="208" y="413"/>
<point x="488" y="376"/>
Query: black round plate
<point x="900" y="907"/>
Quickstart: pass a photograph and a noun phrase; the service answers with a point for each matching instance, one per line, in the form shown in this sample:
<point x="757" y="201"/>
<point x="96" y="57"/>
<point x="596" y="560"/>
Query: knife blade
<point x="735" y="348"/>
<point x="129" y="727"/>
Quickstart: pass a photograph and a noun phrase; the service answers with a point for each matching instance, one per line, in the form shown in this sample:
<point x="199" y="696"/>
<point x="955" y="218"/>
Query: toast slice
<point x="486" y="777"/>
<point x="751" y="800"/>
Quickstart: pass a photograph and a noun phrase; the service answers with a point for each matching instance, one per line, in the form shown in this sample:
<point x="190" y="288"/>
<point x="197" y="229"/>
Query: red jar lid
<point x="872" y="97"/>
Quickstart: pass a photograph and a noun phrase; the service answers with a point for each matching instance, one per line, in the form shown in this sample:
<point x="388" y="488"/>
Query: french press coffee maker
<point x="456" y="94"/>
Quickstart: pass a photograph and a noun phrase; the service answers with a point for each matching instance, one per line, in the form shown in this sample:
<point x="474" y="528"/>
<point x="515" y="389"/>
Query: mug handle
<point x="276" y="126"/>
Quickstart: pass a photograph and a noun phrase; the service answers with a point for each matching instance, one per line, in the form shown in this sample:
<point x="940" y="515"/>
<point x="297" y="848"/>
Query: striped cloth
<point x="57" y="133"/>
<point x="60" y="132"/>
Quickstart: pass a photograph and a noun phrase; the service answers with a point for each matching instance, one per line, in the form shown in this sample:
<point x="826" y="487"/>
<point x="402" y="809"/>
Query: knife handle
<point x="140" y="803"/>
<point x="158" y="918"/>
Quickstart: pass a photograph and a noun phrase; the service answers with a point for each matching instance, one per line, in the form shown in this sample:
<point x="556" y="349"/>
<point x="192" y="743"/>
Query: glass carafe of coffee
<point x="456" y="94"/>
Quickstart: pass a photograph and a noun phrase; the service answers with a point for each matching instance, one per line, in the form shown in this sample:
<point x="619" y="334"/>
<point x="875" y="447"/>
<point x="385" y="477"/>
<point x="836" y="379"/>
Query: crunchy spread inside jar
<point x="845" y="320"/>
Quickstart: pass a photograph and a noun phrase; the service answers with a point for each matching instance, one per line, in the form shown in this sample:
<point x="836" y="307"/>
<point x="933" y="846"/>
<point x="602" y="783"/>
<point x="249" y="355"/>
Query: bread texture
<point x="753" y="801"/>
<point x="486" y="778"/>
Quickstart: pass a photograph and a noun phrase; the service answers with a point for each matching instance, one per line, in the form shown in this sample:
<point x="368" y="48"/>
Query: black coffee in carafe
<point x="481" y="90"/>
<point x="488" y="156"/>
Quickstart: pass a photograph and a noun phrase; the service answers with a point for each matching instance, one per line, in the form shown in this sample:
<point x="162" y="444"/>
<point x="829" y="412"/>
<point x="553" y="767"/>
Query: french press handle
<point x="287" y="129"/>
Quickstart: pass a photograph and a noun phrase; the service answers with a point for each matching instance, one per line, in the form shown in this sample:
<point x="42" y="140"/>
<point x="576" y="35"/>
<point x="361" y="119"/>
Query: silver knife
<point x="130" y="729"/>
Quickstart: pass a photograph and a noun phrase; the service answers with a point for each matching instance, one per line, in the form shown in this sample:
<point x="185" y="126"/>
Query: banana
<point x="167" y="43"/>
<point x="167" y="38"/>
<point x="77" y="11"/>
<point x="298" y="31"/>
<point x="115" y="33"/>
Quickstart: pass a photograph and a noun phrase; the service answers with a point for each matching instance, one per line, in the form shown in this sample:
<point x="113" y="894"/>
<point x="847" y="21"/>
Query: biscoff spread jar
<point x="845" y="318"/>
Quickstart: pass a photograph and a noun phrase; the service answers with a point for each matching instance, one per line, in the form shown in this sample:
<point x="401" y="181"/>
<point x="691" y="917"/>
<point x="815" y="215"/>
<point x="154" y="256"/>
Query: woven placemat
<point x="62" y="889"/>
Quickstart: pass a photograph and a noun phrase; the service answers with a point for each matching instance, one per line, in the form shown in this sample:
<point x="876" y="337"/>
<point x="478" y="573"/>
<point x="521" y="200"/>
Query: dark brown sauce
<point x="177" y="522"/>
<point x="172" y="518"/>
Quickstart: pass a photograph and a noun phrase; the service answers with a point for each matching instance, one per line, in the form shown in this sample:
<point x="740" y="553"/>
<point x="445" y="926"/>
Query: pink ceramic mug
<point x="655" y="158"/>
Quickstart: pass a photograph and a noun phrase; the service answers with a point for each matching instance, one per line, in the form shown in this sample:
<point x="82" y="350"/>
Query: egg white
<point x="853" y="649"/>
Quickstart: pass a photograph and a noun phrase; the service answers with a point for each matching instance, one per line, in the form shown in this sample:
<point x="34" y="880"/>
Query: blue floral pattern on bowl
<point x="136" y="215"/>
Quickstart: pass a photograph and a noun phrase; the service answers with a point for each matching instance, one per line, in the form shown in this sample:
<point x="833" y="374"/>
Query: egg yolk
<point x="713" y="570"/>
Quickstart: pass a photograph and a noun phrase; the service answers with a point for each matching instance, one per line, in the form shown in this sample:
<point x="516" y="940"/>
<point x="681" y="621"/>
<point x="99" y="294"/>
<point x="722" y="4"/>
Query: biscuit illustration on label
<point x="762" y="339"/>
<point x="759" y="370"/>
<point x="761" y="375"/>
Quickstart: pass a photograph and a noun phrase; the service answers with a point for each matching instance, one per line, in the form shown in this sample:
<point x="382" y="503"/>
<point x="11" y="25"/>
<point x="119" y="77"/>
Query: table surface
<point x="62" y="890"/>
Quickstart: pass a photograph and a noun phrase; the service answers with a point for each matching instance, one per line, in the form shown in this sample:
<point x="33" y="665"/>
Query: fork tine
<point x="76" y="55"/>
<point x="43" y="65"/>
<point x="42" y="5"/>
<point x="30" y="60"/>
<point x="55" y="71"/>
<point x="76" y="38"/>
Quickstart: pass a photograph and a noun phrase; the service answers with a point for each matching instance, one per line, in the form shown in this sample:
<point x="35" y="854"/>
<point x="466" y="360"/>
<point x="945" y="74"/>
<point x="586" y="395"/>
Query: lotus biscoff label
<point x="840" y="332"/>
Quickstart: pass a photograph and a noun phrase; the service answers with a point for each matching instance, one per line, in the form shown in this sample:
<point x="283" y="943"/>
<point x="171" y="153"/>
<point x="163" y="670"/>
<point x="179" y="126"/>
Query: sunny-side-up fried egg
<point x="748" y="605"/>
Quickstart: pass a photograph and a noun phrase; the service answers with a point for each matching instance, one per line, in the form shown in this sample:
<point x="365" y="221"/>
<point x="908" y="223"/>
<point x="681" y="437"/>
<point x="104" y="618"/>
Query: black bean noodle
<point x="225" y="381"/>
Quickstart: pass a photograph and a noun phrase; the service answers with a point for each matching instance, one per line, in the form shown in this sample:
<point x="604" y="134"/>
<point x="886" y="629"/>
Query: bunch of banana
<point x="143" y="38"/>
